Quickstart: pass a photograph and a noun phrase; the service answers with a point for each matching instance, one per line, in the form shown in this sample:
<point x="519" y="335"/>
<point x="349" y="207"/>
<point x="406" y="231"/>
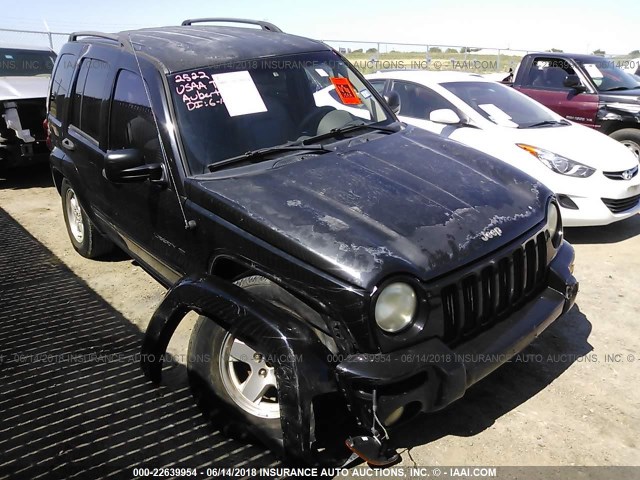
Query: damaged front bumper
<point x="389" y="387"/>
<point x="429" y="376"/>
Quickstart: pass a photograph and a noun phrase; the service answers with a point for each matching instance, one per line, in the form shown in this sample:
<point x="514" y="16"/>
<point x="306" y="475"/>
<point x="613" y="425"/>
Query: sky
<point x="579" y="27"/>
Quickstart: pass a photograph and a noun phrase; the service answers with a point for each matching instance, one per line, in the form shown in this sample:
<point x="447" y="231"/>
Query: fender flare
<point x="301" y="361"/>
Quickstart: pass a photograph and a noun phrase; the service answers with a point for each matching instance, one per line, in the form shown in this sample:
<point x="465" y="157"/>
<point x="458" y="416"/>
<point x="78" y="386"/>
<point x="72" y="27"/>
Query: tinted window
<point x="77" y="93"/>
<point x="131" y="124"/>
<point x="549" y="73"/>
<point x="25" y="63"/>
<point x="378" y="85"/>
<point x="417" y="101"/>
<point x="502" y="105"/>
<point x="88" y="96"/>
<point x="61" y="83"/>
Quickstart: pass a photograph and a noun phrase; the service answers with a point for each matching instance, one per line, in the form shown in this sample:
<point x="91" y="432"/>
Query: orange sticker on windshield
<point x="345" y="91"/>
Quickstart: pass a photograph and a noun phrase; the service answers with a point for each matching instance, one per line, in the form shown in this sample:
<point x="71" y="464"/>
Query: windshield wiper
<point x="263" y="152"/>
<point x="621" y="87"/>
<point x="545" y="123"/>
<point x="335" y="132"/>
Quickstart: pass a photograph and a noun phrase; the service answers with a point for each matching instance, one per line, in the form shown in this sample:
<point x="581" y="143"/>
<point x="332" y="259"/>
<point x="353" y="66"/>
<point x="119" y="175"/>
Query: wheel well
<point x="57" y="179"/>
<point x="230" y="269"/>
<point x="609" y="127"/>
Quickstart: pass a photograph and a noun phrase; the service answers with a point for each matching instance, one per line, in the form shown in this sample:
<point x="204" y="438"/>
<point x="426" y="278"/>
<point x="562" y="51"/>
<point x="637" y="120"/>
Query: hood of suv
<point x="16" y="88"/>
<point x="410" y="202"/>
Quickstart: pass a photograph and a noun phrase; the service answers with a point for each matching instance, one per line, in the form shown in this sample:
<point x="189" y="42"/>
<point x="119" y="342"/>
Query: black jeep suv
<point x="350" y="271"/>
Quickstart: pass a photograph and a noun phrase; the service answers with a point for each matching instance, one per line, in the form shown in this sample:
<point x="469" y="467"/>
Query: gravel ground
<point x="572" y="399"/>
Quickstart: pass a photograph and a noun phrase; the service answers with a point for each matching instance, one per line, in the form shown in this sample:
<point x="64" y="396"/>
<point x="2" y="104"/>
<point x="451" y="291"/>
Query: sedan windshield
<point x="502" y="105"/>
<point x="228" y="110"/>
<point x="15" y="62"/>
<point x="608" y="77"/>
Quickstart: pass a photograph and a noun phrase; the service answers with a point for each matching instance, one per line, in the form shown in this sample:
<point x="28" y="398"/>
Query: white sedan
<point x="595" y="178"/>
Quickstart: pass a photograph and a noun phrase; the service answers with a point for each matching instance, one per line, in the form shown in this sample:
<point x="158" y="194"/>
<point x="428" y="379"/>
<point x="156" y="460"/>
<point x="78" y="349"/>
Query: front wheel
<point x="630" y="138"/>
<point x="232" y="381"/>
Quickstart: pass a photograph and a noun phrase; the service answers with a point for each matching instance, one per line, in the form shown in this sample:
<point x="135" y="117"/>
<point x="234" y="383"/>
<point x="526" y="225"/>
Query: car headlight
<point x="554" y="223"/>
<point x="396" y="307"/>
<point x="558" y="163"/>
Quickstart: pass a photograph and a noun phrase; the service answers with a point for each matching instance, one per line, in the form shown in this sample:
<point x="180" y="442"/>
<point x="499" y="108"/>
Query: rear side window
<point x="417" y="101"/>
<point x="89" y="95"/>
<point x="131" y="123"/>
<point x="60" y="83"/>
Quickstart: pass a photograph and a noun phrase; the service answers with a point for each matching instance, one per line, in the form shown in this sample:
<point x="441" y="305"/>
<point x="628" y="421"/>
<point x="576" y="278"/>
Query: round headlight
<point x="395" y="307"/>
<point x="553" y="223"/>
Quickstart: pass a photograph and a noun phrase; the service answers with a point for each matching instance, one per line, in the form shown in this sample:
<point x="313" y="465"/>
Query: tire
<point x="84" y="236"/>
<point x="231" y="383"/>
<point x="630" y="138"/>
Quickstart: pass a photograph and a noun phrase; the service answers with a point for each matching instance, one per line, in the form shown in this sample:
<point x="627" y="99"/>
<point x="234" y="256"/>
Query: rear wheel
<point x="84" y="236"/>
<point x="630" y="138"/>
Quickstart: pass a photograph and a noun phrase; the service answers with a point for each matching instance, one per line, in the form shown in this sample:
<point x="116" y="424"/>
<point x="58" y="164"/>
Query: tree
<point x="358" y="50"/>
<point x="634" y="53"/>
<point x="435" y="50"/>
<point x="469" y="50"/>
<point x="451" y="50"/>
<point x="598" y="52"/>
<point x="372" y="50"/>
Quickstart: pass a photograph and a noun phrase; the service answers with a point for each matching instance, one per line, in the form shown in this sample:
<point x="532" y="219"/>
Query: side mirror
<point x="446" y="116"/>
<point x="128" y="166"/>
<point x="393" y="100"/>
<point x="573" y="81"/>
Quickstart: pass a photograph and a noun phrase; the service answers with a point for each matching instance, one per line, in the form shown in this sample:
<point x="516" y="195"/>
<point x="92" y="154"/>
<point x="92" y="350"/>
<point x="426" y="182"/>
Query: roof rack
<point x="109" y="36"/>
<point x="270" y="27"/>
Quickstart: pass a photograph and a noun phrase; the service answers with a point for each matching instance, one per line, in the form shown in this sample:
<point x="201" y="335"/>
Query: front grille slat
<point x="504" y="284"/>
<point x="519" y="274"/>
<point x="622" y="204"/>
<point x="472" y="296"/>
<point x="532" y="263"/>
<point x="449" y="303"/>
<point x="489" y="293"/>
<point x="479" y="298"/>
<point x="541" y="243"/>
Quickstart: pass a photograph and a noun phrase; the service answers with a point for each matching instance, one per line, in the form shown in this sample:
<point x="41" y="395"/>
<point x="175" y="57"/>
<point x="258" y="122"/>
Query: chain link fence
<point x="367" y="56"/>
<point x="32" y="38"/>
<point x="374" y="56"/>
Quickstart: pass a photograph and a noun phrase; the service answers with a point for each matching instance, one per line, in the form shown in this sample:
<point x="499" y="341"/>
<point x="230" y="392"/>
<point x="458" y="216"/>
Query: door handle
<point x="68" y="144"/>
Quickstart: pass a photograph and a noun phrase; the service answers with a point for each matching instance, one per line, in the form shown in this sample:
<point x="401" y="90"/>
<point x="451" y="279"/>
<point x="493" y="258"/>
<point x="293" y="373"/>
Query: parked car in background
<point x="595" y="178"/>
<point x="24" y="81"/>
<point x="587" y="89"/>
<point x="350" y="271"/>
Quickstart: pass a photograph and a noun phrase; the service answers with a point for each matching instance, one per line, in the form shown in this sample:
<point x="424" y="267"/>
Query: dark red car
<point x="586" y="89"/>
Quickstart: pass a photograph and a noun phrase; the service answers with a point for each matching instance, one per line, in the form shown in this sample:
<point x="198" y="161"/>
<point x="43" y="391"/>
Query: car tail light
<point x="45" y="126"/>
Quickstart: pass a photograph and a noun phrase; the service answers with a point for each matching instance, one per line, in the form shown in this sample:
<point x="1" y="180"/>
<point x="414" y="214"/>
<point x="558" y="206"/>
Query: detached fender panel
<point x="301" y="361"/>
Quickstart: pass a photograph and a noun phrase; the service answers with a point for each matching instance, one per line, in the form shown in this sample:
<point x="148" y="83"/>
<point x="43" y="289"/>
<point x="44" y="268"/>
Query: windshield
<point x="607" y="76"/>
<point x="228" y="110"/>
<point x="15" y="62"/>
<point x="500" y="104"/>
